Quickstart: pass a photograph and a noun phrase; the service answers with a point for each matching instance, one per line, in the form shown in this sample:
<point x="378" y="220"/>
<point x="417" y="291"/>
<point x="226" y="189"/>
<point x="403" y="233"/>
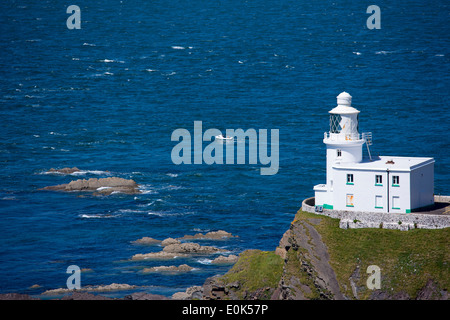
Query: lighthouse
<point x="389" y="184"/>
<point x="343" y="141"/>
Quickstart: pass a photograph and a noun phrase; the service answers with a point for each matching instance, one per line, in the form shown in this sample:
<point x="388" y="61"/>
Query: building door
<point x="349" y="202"/>
<point x="378" y="202"/>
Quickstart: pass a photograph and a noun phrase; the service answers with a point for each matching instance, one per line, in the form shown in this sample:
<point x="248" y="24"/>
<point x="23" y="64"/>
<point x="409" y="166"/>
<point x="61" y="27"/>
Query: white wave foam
<point x="167" y="214"/>
<point x="108" y="61"/>
<point x="57" y="134"/>
<point x="201" y="230"/>
<point x="147" y="189"/>
<point x="145" y="204"/>
<point x="384" y="52"/>
<point x="173" y="175"/>
<point x="178" y="47"/>
<point x="103" y="188"/>
<point x="130" y="211"/>
<point x="357" y="53"/>
<point x="204" y="261"/>
<point x="89" y="44"/>
<point x="97" y="216"/>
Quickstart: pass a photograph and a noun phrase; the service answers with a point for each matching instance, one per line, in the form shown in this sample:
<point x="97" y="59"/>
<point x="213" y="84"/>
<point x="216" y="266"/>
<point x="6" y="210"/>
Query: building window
<point x="349" y="202"/>
<point x="339" y="152"/>
<point x="395" y="202"/>
<point x="335" y="123"/>
<point x="379" y="202"/>
<point x="395" y="181"/>
<point x="378" y="180"/>
<point x="350" y="178"/>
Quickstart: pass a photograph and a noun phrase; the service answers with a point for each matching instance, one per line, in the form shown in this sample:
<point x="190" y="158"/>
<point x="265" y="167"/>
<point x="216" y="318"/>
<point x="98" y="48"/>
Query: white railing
<point x="342" y="136"/>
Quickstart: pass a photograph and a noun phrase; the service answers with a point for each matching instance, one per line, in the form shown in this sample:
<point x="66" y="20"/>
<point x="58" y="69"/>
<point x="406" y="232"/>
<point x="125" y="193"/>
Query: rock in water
<point x="64" y="170"/>
<point x="190" y="248"/>
<point x="103" y="186"/>
<point x="169" y="269"/>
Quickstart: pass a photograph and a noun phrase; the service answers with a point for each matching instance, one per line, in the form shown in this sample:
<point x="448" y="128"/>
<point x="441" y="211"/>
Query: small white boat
<point x="224" y="137"/>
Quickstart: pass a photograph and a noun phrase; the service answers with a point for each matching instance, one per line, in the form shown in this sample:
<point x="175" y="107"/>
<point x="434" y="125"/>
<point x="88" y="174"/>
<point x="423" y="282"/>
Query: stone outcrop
<point x="170" y="241"/>
<point x="213" y="235"/>
<point x="157" y="256"/>
<point x="191" y="293"/>
<point x="100" y="288"/>
<point x="64" y="170"/>
<point x="169" y="269"/>
<point x="307" y="273"/>
<point x="190" y="248"/>
<point x="144" y="296"/>
<point x="231" y="259"/>
<point x="103" y="186"/>
<point x="175" y="248"/>
<point x="16" y="296"/>
<point x="147" y="241"/>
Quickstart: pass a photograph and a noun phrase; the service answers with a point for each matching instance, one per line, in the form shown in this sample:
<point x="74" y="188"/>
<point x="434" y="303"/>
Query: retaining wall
<point x="399" y="221"/>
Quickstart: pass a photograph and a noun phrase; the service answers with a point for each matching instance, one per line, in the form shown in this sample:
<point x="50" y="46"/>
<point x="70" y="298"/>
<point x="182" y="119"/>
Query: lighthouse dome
<point x="344" y="101"/>
<point x="344" y="98"/>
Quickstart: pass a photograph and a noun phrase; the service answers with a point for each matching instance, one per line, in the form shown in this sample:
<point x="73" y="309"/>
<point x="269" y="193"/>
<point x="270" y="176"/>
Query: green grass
<point x="254" y="270"/>
<point x="408" y="259"/>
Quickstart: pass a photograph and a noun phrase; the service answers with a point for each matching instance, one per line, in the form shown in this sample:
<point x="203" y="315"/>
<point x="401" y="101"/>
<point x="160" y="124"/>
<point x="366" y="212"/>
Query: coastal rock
<point x="147" y="241"/>
<point x="169" y="241"/>
<point x="181" y="268"/>
<point x="104" y="186"/>
<point x="63" y="170"/>
<point x="84" y="296"/>
<point x="307" y="271"/>
<point x="231" y="259"/>
<point x="100" y="288"/>
<point x="190" y="248"/>
<point x="16" y="296"/>
<point x="213" y="235"/>
<point x="144" y="296"/>
<point x="157" y="256"/>
<point x="191" y="293"/>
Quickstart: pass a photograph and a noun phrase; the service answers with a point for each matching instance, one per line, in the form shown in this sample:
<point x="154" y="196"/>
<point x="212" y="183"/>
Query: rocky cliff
<point x="317" y="260"/>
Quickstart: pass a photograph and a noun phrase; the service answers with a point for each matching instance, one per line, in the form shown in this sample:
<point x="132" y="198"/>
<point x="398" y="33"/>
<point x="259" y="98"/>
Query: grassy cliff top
<point x="409" y="262"/>
<point x="407" y="259"/>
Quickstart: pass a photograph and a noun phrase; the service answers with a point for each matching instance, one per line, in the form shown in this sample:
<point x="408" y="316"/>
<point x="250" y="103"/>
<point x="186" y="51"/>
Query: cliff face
<point x="307" y="273"/>
<point x="318" y="260"/>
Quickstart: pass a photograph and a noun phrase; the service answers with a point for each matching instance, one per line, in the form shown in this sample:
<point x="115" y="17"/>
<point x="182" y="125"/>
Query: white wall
<point x="364" y="190"/>
<point x="422" y="186"/>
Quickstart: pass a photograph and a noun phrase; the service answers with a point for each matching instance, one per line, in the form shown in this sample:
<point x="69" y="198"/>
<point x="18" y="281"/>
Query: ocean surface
<point x="107" y="97"/>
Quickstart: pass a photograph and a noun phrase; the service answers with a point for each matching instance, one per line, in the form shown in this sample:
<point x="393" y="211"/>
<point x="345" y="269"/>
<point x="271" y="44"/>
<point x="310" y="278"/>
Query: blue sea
<point x="106" y="98"/>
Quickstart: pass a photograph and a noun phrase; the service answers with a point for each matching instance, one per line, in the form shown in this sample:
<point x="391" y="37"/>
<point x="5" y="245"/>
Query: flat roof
<point x="383" y="163"/>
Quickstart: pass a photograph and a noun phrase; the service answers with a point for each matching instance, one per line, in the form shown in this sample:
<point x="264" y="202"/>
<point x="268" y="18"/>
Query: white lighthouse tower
<point x="344" y="144"/>
<point x="343" y="141"/>
<point x="383" y="184"/>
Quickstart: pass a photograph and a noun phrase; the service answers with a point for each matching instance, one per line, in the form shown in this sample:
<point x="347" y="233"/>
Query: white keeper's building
<point x="374" y="184"/>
